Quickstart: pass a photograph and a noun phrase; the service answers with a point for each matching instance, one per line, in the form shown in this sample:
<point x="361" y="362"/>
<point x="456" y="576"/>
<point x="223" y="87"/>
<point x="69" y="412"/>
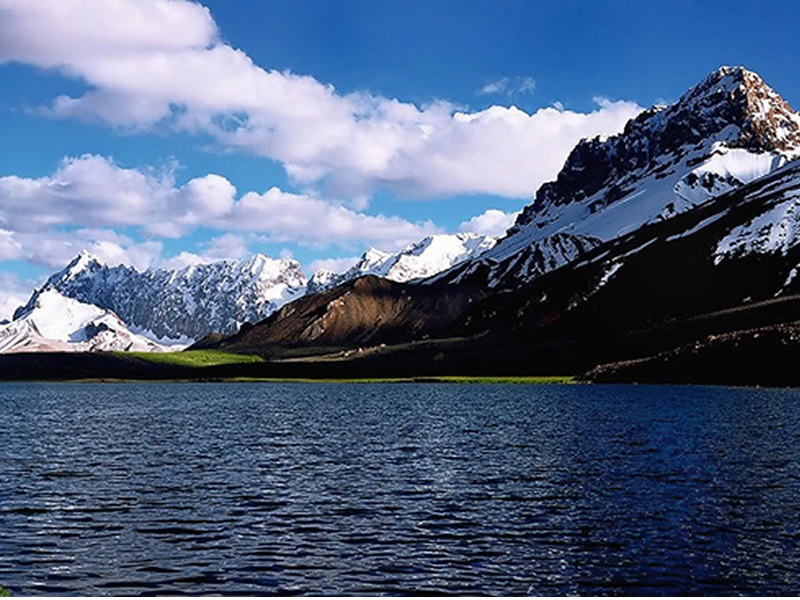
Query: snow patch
<point x="57" y="323"/>
<point x="776" y="230"/>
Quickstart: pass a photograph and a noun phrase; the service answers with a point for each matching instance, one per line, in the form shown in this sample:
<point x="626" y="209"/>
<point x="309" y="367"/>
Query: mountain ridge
<point x="726" y="131"/>
<point x="175" y="307"/>
<point x="657" y="279"/>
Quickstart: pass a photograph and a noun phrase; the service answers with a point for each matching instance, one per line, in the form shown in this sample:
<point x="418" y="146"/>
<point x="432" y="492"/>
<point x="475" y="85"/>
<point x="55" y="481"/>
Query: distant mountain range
<point x="158" y="309"/>
<point x="673" y="243"/>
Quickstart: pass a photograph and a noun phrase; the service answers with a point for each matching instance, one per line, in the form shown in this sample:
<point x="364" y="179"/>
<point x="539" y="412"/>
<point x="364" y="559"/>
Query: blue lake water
<point x="361" y="489"/>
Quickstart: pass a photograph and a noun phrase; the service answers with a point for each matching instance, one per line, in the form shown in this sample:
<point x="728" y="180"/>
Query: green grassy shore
<point x="199" y="359"/>
<point x="192" y="358"/>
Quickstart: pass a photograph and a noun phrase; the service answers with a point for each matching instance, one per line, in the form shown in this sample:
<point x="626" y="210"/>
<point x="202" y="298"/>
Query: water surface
<point x="362" y="489"/>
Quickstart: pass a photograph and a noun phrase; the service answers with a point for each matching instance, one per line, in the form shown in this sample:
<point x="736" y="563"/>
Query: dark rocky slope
<point x="650" y="291"/>
<point x="369" y="311"/>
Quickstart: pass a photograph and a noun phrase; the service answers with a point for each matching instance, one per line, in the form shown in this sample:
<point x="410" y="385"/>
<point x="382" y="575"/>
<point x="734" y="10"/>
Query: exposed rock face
<point x="707" y="243"/>
<point x="181" y="306"/>
<point x="530" y="261"/>
<point x="732" y="105"/>
<point x="366" y="311"/>
<point x="728" y="130"/>
<point x="185" y="304"/>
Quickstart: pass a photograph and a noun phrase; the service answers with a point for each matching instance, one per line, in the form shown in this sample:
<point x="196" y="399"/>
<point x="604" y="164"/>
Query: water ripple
<point x="370" y="489"/>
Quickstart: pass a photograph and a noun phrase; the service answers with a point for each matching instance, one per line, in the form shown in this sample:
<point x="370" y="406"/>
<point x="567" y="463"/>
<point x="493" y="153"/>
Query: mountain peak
<point x="732" y="108"/>
<point x="728" y="79"/>
<point x="735" y="96"/>
<point x="725" y="132"/>
<point x="80" y="263"/>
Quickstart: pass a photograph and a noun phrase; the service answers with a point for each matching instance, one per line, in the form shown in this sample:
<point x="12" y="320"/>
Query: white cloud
<point x="95" y="190"/>
<point x="491" y="222"/>
<point x="128" y="27"/>
<point x="45" y="219"/>
<point x="181" y="260"/>
<point x="10" y="248"/>
<point x="14" y="292"/>
<point x="54" y="248"/>
<point x="509" y="86"/>
<point x="148" y="63"/>
<point x="310" y="221"/>
<point x="337" y="265"/>
<point x="225" y="247"/>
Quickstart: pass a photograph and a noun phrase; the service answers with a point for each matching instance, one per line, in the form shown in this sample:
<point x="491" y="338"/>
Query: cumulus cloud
<point x="52" y="248"/>
<point x="224" y="247"/>
<point x="94" y="189"/>
<point x="10" y="248"/>
<point x="337" y="265"/>
<point x="509" y="86"/>
<point x="491" y="222"/>
<point x="310" y="221"/>
<point x="14" y="292"/>
<point x="51" y="218"/>
<point x="147" y="64"/>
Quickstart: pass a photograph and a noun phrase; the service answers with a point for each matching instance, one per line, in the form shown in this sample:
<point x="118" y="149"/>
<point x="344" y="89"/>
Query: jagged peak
<point x="372" y="257"/>
<point x="731" y="106"/>
<point x="739" y="87"/>
<point x="725" y="78"/>
<point x="323" y="274"/>
<point x="256" y="264"/>
<point x="259" y="261"/>
<point x="80" y="263"/>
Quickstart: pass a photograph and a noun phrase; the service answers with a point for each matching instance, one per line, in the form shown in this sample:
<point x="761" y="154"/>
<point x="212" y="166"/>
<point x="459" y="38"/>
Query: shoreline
<point x="445" y="379"/>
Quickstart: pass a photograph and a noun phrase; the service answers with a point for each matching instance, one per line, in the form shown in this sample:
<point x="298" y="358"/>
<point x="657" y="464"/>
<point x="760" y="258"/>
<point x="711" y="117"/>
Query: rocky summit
<point x="728" y="130"/>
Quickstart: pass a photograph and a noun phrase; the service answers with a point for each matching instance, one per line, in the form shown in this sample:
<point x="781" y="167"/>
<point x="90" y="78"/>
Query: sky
<point x="164" y="133"/>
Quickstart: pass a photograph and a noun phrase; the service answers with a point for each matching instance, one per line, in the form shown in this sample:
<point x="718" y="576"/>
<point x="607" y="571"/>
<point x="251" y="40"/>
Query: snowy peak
<point x="732" y="107"/>
<point x="727" y="131"/>
<point x="736" y="96"/>
<point x="264" y="269"/>
<point x="323" y="279"/>
<point x="436" y="253"/>
<point x="85" y="261"/>
<point x="426" y="258"/>
<point x="53" y="322"/>
<point x="373" y="261"/>
<point x="181" y="305"/>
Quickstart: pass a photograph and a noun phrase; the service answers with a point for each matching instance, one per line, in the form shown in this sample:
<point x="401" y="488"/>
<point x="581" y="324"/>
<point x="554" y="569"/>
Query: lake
<point x="409" y="488"/>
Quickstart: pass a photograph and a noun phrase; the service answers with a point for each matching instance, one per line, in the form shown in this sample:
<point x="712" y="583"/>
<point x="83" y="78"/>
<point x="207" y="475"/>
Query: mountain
<point x="430" y="256"/>
<point x="682" y="232"/>
<point x="730" y="129"/>
<point x="176" y="307"/>
<point x="710" y="296"/>
<point x="179" y="306"/>
<point x="368" y="310"/>
<point x="54" y="322"/>
<point x="669" y="252"/>
<point x="673" y="292"/>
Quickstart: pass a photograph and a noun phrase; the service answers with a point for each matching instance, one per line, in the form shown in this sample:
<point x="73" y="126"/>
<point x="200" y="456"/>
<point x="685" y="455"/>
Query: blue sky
<point x="167" y="132"/>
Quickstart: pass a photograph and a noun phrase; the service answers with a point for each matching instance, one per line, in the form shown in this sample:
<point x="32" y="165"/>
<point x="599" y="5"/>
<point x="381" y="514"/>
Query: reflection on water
<point x="325" y="489"/>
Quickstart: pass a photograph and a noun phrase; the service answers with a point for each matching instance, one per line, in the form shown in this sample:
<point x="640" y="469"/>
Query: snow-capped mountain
<point x="53" y="322"/>
<point x="183" y="305"/>
<point x="426" y="258"/>
<point x="157" y="308"/>
<point x="725" y="132"/>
